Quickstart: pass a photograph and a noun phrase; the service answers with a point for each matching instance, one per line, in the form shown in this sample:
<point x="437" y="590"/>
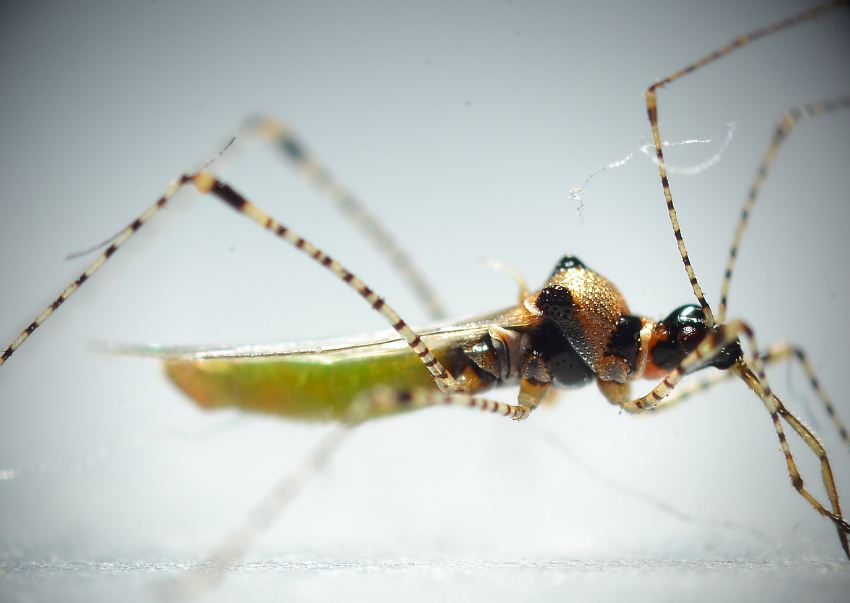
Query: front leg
<point x="751" y="372"/>
<point x="618" y="394"/>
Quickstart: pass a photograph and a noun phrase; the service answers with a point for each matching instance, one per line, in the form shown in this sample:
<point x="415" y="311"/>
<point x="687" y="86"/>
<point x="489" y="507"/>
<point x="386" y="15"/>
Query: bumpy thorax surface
<point x="592" y="314"/>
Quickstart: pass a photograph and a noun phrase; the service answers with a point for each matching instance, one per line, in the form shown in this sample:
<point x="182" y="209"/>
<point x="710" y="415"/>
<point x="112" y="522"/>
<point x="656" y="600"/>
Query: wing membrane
<point x="381" y="342"/>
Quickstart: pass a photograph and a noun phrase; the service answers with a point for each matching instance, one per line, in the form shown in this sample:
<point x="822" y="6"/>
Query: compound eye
<point x="689" y="337"/>
<point x="685" y="327"/>
<point x="688" y="314"/>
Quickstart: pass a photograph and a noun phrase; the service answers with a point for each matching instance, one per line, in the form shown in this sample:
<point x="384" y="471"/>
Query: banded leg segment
<point x="777" y="409"/>
<point x="207" y="183"/>
<point x="774" y="354"/>
<point x="287" y="141"/>
<point x="756" y="380"/>
<point x="651" y="95"/>
<point x="783" y="127"/>
<point x="786" y="351"/>
<point x="114" y="245"/>
<point x="387" y="400"/>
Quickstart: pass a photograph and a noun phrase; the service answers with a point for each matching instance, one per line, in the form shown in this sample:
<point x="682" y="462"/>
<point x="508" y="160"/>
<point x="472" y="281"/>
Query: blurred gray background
<point x="463" y="125"/>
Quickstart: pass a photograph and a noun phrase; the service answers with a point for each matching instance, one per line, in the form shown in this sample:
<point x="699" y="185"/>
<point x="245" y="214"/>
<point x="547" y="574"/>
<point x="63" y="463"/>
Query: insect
<point x="589" y="261"/>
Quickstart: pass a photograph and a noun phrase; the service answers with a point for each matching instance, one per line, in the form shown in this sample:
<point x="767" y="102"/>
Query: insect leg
<point x="783" y="127"/>
<point x="297" y="153"/>
<point x="388" y="400"/>
<point x="756" y="380"/>
<point x="685" y="391"/>
<point x="777" y="409"/>
<point x="207" y="183"/>
<point x="114" y="245"/>
<point x="214" y="569"/>
<point x="288" y="144"/>
<point x="787" y="351"/>
<point x="651" y="95"/>
<point x="774" y="354"/>
<point x="211" y="572"/>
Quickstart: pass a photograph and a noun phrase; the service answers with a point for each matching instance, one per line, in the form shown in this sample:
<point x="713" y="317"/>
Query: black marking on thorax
<point x="625" y="341"/>
<point x="565" y="365"/>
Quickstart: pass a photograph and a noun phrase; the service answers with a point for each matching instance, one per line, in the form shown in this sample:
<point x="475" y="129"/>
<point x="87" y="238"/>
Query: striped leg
<point x="687" y="390"/>
<point x="777" y="409"/>
<point x="652" y="113"/>
<point x="286" y="140"/>
<point x="384" y="400"/>
<point x="213" y="570"/>
<point x="776" y="353"/>
<point x="756" y="380"/>
<point x="207" y="183"/>
<point x="786" y="351"/>
<point x="783" y="127"/>
<point x="307" y="166"/>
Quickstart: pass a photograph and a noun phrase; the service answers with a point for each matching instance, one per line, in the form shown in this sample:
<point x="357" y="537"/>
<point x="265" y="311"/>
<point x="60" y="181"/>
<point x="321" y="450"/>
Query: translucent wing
<point x="315" y="380"/>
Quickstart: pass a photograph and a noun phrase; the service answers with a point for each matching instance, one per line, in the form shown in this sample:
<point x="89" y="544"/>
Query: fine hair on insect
<point x="575" y="329"/>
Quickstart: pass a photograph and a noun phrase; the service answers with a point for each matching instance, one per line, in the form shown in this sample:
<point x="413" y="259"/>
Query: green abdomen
<point x="308" y="386"/>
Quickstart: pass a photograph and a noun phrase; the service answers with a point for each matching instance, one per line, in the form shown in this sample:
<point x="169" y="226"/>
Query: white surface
<point x="465" y="128"/>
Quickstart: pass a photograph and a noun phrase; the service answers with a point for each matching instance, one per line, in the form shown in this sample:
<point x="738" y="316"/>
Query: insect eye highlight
<point x="689" y="337"/>
<point x="681" y="331"/>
